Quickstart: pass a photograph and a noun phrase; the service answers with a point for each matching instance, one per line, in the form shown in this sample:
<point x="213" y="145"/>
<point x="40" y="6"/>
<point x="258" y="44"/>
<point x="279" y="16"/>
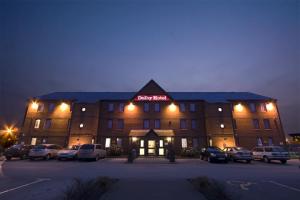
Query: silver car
<point x="238" y="153"/>
<point x="45" y="151"/>
<point x="269" y="153"/>
<point x="91" y="151"/>
<point x="67" y="154"/>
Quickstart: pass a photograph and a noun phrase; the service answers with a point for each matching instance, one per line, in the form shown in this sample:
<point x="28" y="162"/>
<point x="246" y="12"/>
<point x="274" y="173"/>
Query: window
<point x="47" y="124"/>
<point x="119" y="142"/>
<point x="234" y="125"/>
<point x="267" y="124"/>
<point x="120" y="124"/>
<point x="252" y="107"/>
<point x="157" y="124"/>
<point x="107" y="142"/>
<point x="37" y="123"/>
<point x="183" y="123"/>
<point x="146" y="124"/>
<point x="270" y="141"/>
<point x="157" y="107"/>
<point x="121" y="107"/>
<point x="255" y="123"/>
<point x="192" y="107"/>
<point x="259" y="142"/>
<point x="110" y="107"/>
<point x="51" y="107"/>
<point x="182" y="107"/>
<point x="33" y="141"/>
<point x="194" y="124"/>
<point x="109" y="123"/>
<point x="183" y="143"/>
<point x="81" y="125"/>
<point x="40" y="107"/>
<point x="263" y="107"/>
<point x="83" y="109"/>
<point x="146" y="107"/>
<point x="195" y="142"/>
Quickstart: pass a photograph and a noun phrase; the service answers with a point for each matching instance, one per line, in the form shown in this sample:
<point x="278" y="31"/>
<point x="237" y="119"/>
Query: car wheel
<point x="31" y="158"/>
<point x="209" y="160"/>
<point x="8" y="158"/>
<point x="23" y="157"/>
<point x="283" y="161"/>
<point x="47" y="157"/>
<point x="248" y="161"/>
<point x="266" y="159"/>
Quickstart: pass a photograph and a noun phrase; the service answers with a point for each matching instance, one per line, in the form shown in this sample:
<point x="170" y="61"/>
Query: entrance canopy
<point x="144" y="132"/>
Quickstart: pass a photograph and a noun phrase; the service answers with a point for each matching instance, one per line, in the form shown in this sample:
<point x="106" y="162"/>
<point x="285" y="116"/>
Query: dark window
<point x="157" y="124"/>
<point x="110" y="107"/>
<point x="146" y="124"/>
<point x="109" y="123"/>
<point x="234" y="124"/>
<point x="263" y="107"/>
<point x="252" y="107"/>
<point x="47" y="124"/>
<point x="255" y="123"/>
<point x="51" y="107"/>
<point x="182" y="107"/>
<point x="194" y="124"/>
<point x="270" y="141"/>
<point x="121" y="107"/>
<point x="267" y="124"/>
<point x="183" y="124"/>
<point x="40" y="107"/>
<point x="120" y="123"/>
<point x="195" y="142"/>
<point x="146" y="107"/>
<point x="192" y="107"/>
<point x="157" y="107"/>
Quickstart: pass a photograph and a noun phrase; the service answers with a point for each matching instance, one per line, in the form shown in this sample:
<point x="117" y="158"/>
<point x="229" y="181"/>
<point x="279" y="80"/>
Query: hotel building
<point x="152" y="118"/>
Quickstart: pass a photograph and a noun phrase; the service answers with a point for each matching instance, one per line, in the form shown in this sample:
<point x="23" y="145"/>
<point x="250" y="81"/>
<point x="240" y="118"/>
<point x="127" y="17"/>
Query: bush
<point x="88" y="190"/>
<point x="190" y="152"/>
<point x="114" y="151"/>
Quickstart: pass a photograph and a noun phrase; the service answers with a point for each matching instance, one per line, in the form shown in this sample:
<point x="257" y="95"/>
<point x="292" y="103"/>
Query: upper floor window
<point x="37" y="123"/>
<point x="146" y="124"/>
<point x="121" y="107"/>
<point x="194" y="124"/>
<point x="109" y="123"/>
<point x="40" y="107"/>
<point x="146" y="107"/>
<point x="51" y="107"/>
<point x="182" y="107"/>
<point x="267" y="124"/>
<point x="255" y="123"/>
<point x="157" y="124"/>
<point x="192" y="107"/>
<point x="157" y="107"/>
<point x="263" y="107"/>
<point x="120" y="124"/>
<point x="183" y="124"/>
<point x="47" y="124"/>
<point x="110" y="107"/>
<point x="252" y="107"/>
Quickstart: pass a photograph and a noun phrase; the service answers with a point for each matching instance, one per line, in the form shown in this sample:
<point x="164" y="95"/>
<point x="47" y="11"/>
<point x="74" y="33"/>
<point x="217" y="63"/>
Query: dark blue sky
<point x="118" y="45"/>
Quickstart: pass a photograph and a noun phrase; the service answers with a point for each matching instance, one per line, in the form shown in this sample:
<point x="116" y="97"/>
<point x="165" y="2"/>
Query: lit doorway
<point x="151" y="147"/>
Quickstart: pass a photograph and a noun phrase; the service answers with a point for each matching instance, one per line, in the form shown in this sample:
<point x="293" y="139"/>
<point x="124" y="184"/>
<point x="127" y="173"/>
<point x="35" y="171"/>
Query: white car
<point x="238" y="153"/>
<point x="66" y="154"/>
<point x="269" y="153"/>
<point x="45" y="151"/>
<point x="91" y="151"/>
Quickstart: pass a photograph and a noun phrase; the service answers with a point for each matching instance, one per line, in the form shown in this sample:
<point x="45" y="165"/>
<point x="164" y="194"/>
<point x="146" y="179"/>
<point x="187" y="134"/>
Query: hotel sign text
<point x="151" y="98"/>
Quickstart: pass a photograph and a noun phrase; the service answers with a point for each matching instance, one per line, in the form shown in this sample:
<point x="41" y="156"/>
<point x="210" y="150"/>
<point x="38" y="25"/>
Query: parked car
<point x="91" y="151"/>
<point x="17" y="151"/>
<point x="269" y="153"/>
<point x="67" y="154"/>
<point x="45" y="151"/>
<point x="213" y="154"/>
<point x="238" y="153"/>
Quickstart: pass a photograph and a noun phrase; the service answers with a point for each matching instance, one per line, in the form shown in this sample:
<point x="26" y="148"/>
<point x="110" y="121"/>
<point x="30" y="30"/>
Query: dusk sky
<point x="119" y="45"/>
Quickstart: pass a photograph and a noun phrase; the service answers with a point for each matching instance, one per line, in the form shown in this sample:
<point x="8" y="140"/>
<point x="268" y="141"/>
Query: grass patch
<point x="210" y="188"/>
<point x="92" y="189"/>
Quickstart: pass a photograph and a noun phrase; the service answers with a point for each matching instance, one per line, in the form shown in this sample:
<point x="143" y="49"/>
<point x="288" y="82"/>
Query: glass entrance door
<point x="151" y="147"/>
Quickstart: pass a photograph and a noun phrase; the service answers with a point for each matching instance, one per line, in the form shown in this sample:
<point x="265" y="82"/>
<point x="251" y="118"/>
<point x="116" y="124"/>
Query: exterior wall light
<point x="81" y="125"/>
<point x="239" y="107"/>
<point x="83" y="109"/>
<point x="220" y="109"/>
<point x="63" y="106"/>
<point x="134" y="139"/>
<point x="269" y="106"/>
<point x="172" y="107"/>
<point x="222" y="126"/>
<point x="131" y="106"/>
<point x="34" y="105"/>
<point x="169" y="139"/>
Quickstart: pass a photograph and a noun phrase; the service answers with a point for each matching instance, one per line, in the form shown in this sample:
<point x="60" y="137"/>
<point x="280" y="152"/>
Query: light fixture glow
<point x="34" y="105"/>
<point x="83" y="109"/>
<point x="169" y="139"/>
<point x="222" y="126"/>
<point x="63" y="106"/>
<point x="131" y="106"/>
<point x="134" y="139"/>
<point x="220" y="109"/>
<point x="172" y="107"/>
<point x="81" y="125"/>
<point x="270" y="106"/>
<point x="239" y="107"/>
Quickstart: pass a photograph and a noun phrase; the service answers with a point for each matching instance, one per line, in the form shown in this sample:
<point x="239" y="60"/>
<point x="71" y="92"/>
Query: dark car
<point x="19" y="151"/>
<point x="213" y="154"/>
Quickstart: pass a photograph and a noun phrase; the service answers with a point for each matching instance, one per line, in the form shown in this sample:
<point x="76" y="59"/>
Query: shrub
<point x="114" y="151"/>
<point x="190" y="152"/>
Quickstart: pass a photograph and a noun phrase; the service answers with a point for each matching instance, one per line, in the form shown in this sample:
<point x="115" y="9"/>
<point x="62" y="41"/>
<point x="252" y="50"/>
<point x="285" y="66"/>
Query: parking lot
<point x="150" y="178"/>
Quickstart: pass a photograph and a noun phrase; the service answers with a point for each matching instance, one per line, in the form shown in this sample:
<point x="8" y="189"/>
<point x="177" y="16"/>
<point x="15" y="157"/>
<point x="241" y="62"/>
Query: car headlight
<point x="213" y="155"/>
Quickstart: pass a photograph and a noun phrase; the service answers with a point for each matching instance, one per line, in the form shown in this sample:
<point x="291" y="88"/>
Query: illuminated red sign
<point x="151" y="98"/>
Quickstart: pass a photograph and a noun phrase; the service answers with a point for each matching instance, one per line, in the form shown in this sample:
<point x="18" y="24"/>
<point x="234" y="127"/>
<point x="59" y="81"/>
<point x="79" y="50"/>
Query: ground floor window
<point x="195" y="142"/>
<point x="183" y="143"/>
<point x="259" y="142"/>
<point x="33" y="141"/>
<point x="107" y="142"/>
<point x="119" y="142"/>
<point x="270" y="141"/>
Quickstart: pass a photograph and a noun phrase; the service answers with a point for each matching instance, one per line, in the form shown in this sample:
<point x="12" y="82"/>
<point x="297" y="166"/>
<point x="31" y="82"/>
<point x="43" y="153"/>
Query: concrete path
<point x="137" y="189"/>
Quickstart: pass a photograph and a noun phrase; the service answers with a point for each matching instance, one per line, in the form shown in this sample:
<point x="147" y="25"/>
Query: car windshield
<point x="240" y="149"/>
<point x="40" y="147"/>
<point x="213" y="149"/>
<point x="87" y="146"/>
<point x="16" y="146"/>
<point x="276" y="149"/>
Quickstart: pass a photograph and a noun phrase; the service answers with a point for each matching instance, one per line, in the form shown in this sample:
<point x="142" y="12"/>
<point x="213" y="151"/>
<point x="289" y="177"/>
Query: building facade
<point x="152" y="118"/>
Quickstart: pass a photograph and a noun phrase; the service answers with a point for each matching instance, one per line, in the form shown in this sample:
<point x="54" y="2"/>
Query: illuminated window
<point x="183" y="123"/>
<point x="220" y="109"/>
<point x="33" y="141"/>
<point x="83" y="109"/>
<point x="109" y="123"/>
<point x="37" y="123"/>
<point x="255" y="123"/>
<point x="192" y="107"/>
<point x="183" y="143"/>
<point x="107" y="142"/>
<point x="40" y="107"/>
<point x="119" y="142"/>
<point x="157" y="124"/>
<point x="142" y="143"/>
<point x="146" y="124"/>
<point x="157" y="107"/>
<point x="47" y="124"/>
<point x="110" y="107"/>
<point x="121" y="107"/>
<point x="146" y="107"/>
<point x="182" y="107"/>
<point x="51" y="107"/>
<point x="267" y="124"/>
<point x="81" y="125"/>
<point x="120" y="124"/>
<point x="142" y="151"/>
<point x="194" y="124"/>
